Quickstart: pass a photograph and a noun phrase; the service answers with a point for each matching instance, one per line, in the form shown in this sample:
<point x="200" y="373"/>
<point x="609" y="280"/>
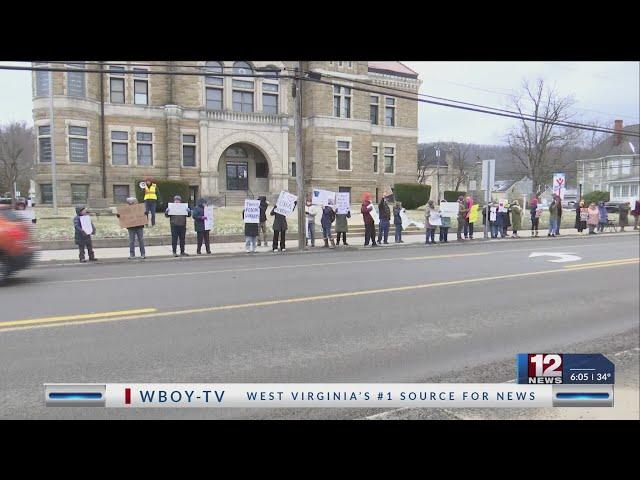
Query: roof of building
<point x="503" y="185"/>
<point x="608" y="145"/>
<point x="392" y="68"/>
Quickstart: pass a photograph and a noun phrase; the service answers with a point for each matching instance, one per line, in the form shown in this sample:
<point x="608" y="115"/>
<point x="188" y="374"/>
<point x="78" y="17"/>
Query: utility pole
<point x="54" y="189"/>
<point x="438" y="175"/>
<point x="297" y="93"/>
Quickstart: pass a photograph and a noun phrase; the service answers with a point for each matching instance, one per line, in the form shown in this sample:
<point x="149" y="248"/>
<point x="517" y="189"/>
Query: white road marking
<point x="562" y="257"/>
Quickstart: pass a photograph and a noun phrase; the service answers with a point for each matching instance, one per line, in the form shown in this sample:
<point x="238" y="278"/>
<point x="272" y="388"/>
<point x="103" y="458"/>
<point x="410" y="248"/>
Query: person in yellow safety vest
<point x="473" y="215"/>
<point x="150" y="200"/>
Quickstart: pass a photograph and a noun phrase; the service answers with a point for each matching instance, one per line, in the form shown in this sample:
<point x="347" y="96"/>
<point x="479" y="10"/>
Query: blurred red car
<point x="17" y="250"/>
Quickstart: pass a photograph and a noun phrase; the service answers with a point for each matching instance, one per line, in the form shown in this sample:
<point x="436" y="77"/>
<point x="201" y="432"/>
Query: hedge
<point x="595" y="197"/>
<point x="412" y="195"/>
<point x="166" y="190"/>
<point x="452" y="195"/>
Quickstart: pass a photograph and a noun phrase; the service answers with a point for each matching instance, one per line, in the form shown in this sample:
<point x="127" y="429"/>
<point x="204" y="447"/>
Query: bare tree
<point x="539" y="144"/>
<point x="16" y="156"/>
<point x="459" y="152"/>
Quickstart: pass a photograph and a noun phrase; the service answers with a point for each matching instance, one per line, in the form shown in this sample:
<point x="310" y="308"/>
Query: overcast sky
<point x="604" y="91"/>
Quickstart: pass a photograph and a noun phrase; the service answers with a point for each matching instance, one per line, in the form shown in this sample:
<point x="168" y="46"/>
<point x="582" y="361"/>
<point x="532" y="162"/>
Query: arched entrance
<point x="243" y="167"/>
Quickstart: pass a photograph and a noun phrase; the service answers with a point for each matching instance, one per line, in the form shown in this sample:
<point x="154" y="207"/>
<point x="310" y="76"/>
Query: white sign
<point x="449" y="209"/>
<point x="208" y="212"/>
<point x="374" y="215"/>
<point x="434" y="219"/>
<point x="85" y="222"/>
<point x="559" y="184"/>
<point x="561" y="257"/>
<point x="251" y="211"/>
<point x="493" y="214"/>
<point x="323" y="197"/>
<point x="285" y="203"/>
<point x="502" y="207"/>
<point x="407" y="222"/>
<point x="178" y="208"/>
<point x="472" y="184"/>
<point x="342" y="202"/>
<point x="488" y="174"/>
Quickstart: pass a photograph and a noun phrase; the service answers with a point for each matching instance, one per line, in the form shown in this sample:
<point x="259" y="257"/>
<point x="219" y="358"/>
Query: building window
<point x="140" y="86"/>
<point x="44" y="144"/>
<point x="242" y="68"/>
<point x="214" y="86"/>
<point x="293" y="169"/>
<point x="626" y="166"/>
<point x="78" y="144"/>
<point x="119" y="148"/>
<point x="270" y="98"/>
<point x="389" y="159"/>
<point x="188" y="150"/>
<point x="616" y="191"/>
<point x="633" y="191"/>
<point x="116" y="84"/>
<point x="341" y="101"/>
<point x="144" y="148"/>
<point x="75" y="80"/>
<point x="344" y="154"/>
<point x="345" y="190"/>
<point x="262" y="169"/>
<point x="120" y="193"/>
<point x="373" y="109"/>
<point x="624" y="190"/>
<point x="242" y="101"/>
<point x="42" y="82"/>
<point x="214" y="99"/>
<point x="46" y="193"/>
<point x="375" y="158"/>
<point x="242" y="88"/>
<point x="390" y="112"/>
<point x="79" y="193"/>
<point x="614" y="168"/>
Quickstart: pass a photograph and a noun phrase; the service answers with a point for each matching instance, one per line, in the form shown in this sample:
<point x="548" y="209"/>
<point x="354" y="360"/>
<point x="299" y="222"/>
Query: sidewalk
<point x="121" y="254"/>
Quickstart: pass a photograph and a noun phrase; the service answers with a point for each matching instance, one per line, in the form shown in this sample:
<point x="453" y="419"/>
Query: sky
<point x="604" y="92"/>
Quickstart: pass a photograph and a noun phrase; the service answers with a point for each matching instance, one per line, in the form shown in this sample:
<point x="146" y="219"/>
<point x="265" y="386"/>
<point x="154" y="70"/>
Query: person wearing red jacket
<point x="369" y="225"/>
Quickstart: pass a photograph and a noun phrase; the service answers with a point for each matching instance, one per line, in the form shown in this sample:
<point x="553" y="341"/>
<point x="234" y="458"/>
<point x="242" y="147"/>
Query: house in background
<point x="615" y="167"/>
<point x="570" y="197"/>
<point x="512" y="189"/>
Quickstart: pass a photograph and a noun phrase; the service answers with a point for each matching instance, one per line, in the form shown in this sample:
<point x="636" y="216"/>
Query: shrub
<point x="452" y="196"/>
<point x="412" y="195"/>
<point x="596" y="196"/>
<point x="166" y="190"/>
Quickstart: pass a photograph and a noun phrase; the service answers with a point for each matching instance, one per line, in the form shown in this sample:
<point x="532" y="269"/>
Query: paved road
<point x="396" y="314"/>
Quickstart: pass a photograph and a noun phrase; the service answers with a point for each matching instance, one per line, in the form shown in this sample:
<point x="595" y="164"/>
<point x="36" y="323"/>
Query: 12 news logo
<point x="544" y="368"/>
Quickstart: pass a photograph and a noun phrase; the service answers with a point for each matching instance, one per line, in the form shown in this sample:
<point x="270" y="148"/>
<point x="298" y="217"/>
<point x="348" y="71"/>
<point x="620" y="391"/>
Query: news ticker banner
<point x="543" y="380"/>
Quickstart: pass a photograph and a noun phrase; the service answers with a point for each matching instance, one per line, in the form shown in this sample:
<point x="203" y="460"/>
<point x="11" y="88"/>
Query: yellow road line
<point x="618" y="260"/>
<point x="330" y="296"/>
<point x="84" y="316"/>
<point x="613" y="264"/>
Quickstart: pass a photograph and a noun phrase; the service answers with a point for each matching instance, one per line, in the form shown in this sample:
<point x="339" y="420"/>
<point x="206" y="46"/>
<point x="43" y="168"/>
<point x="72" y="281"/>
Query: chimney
<point x="618" y="129"/>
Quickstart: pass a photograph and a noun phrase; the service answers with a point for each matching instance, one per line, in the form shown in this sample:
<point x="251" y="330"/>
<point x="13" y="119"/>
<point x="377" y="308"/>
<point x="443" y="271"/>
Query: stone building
<point x="227" y="136"/>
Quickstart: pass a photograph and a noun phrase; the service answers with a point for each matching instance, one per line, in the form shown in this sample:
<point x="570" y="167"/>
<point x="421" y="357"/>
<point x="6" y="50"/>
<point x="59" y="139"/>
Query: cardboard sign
<point x="251" y="211"/>
<point x="343" y="202"/>
<point x="449" y="209"/>
<point x="178" y="208"/>
<point x="85" y="222"/>
<point x="434" y="219"/>
<point x="208" y="212"/>
<point x="323" y="197"/>
<point x="132" y="215"/>
<point x="285" y="203"/>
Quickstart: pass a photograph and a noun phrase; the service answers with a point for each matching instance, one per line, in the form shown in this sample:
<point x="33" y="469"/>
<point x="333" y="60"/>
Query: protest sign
<point x="407" y="222"/>
<point x="251" y="211"/>
<point x="434" y="219"/>
<point x="342" y="202"/>
<point x="584" y="214"/>
<point x="374" y="215"/>
<point x="208" y="212"/>
<point x="132" y="215"/>
<point x="449" y="209"/>
<point x="323" y="197"/>
<point x="502" y="207"/>
<point x="178" y="208"/>
<point x="493" y="214"/>
<point x="85" y="222"/>
<point x="285" y="203"/>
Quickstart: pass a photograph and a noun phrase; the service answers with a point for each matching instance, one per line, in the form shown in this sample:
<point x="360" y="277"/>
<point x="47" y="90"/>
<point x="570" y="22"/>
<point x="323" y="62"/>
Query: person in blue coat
<point x="604" y="217"/>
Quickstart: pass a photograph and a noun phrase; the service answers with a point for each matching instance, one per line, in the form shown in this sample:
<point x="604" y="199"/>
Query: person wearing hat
<point x="178" y="228"/>
<point x="82" y="238"/>
<point x="516" y="218"/>
<point x="150" y="199"/>
<point x="199" y="218"/>
<point x="133" y="233"/>
<point x="369" y="225"/>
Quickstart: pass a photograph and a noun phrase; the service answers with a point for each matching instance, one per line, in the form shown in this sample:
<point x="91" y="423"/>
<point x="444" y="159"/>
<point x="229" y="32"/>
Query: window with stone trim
<point x="76" y="80"/>
<point x="373" y="109"/>
<point x="120" y="193"/>
<point x="188" y="150"/>
<point x="144" y="148"/>
<point x="46" y="193"/>
<point x="214" y="86"/>
<point x="389" y="159"/>
<point x="78" y="144"/>
<point x="140" y="86"/>
<point x="116" y="84"/>
<point x="119" y="147"/>
<point x="341" y="101"/>
<point x="79" y="193"/>
<point x="270" y="98"/>
<point x="243" y="88"/>
<point x="375" y="156"/>
<point x="344" y="154"/>
<point x="42" y="81"/>
<point x="44" y="144"/>
<point x="390" y="112"/>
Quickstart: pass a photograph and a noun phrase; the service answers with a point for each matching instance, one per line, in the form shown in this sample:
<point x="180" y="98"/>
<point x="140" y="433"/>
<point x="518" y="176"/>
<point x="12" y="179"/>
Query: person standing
<point x="603" y="217"/>
<point x="279" y="230"/>
<point x="553" y="217"/>
<point x="263" y="221"/>
<point x="581" y="217"/>
<point x="493" y="219"/>
<point x="397" y="221"/>
<point x="624" y="215"/>
<point x="472" y="215"/>
<point x="503" y="219"/>
<point x="636" y="213"/>
<point x="199" y="218"/>
<point x="150" y="199"/>
<point x="328" y="217"/>
<point x="444" y="227"/>
<point x="250" y="235"/>
<point x="82" y="238"/>
<point x="369" y="225"/>
<point x="178" y="225"/>
<point x="534" y="213"/>
<point x="133" y="233"/>
<point x="559" y="202"/>
<point x="310" y="220"/>
<point x="592" y="220"/>
<point x="342" y="226"/>
<point x="385" y="221"/>
<point x="463" y="225"/>
<point x="430" y="214"/>
<point x="516" y="218"/>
